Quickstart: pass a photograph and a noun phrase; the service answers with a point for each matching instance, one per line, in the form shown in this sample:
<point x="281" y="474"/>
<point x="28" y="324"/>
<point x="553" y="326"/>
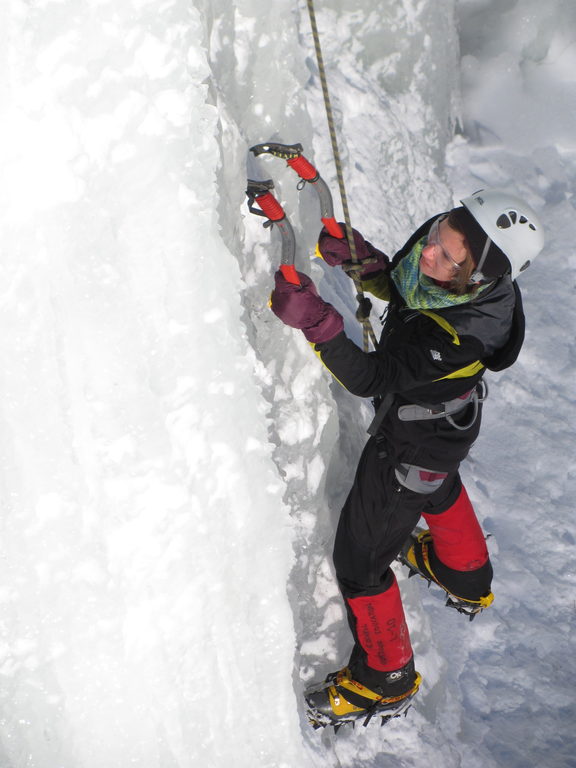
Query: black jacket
<point x="429" y="358"/>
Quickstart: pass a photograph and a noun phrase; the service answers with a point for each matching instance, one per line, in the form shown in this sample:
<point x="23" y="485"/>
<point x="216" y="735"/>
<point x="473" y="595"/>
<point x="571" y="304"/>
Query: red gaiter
<point x="381" y="629"/>
<point x="457" y="537"/>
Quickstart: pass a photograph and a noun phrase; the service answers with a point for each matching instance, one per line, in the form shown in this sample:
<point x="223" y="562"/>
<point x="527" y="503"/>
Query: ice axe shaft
<point x="260" y="193"/>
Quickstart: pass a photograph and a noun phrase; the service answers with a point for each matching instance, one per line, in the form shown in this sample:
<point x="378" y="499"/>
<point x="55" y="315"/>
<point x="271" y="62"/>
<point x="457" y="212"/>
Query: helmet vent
<point x="506" y="220"/>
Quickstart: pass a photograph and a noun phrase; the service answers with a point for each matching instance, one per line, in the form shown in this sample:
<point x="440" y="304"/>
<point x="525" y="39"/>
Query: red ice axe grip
<point x="290" y="274"/>
<point x="303" y="168"/>
<point x="333" y="228"/>
<point x="270" y="206"/>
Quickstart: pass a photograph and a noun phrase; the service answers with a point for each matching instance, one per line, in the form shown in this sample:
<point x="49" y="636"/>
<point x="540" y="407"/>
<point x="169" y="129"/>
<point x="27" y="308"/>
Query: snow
<point x="173" y="460"/>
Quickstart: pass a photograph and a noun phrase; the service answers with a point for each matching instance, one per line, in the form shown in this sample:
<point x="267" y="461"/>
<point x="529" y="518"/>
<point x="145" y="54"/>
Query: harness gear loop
<point x="480" y="394"/>
<point x="368" y="332"/>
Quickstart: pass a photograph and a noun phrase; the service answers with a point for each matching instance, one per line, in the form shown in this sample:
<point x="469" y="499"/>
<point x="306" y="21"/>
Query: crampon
<point x="327" y="704"/>
<point x="415" y="557"/>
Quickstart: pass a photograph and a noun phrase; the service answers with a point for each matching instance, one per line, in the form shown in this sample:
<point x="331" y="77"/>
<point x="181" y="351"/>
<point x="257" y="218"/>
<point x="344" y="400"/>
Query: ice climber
<point x="454" y="311"/>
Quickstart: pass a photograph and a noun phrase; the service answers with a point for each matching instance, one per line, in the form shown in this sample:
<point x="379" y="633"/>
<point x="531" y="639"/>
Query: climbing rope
<point x="364" y="304"/>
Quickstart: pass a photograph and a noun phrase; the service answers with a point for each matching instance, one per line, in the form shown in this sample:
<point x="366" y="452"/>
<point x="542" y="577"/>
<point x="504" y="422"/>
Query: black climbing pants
<point x="377" y="518"/>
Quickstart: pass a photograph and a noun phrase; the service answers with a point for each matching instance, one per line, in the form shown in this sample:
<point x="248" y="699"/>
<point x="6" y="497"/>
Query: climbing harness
<point x="423" y="412"/>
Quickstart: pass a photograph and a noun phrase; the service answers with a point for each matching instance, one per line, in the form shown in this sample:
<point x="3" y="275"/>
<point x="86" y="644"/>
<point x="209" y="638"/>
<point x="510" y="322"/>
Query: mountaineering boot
<point x="341" y="699"/>
<point x="461" y="587"/>
<point x="453" y="554"/>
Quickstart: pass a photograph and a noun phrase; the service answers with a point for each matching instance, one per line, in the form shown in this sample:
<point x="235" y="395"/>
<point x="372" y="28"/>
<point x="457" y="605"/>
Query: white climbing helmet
<point x="511" y="224"/>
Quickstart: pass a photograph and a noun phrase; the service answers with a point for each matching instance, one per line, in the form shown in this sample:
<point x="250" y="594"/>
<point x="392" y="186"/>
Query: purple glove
<point x="335" y="251"/>
<point x="300" y="306"/>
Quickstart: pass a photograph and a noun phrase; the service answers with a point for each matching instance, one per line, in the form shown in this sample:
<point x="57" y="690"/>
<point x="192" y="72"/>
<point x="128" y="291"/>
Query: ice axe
<point x="260" y="193"/>
<point x="292" y="153"/>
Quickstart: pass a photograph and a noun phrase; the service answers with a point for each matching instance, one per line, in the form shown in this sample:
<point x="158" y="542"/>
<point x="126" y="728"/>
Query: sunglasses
<point x="435" y="242"/>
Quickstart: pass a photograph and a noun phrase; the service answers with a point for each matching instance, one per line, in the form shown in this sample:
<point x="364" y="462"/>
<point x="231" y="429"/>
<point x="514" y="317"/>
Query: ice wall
<point x="164" y="440"/>
<point x="142" y="512"/>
